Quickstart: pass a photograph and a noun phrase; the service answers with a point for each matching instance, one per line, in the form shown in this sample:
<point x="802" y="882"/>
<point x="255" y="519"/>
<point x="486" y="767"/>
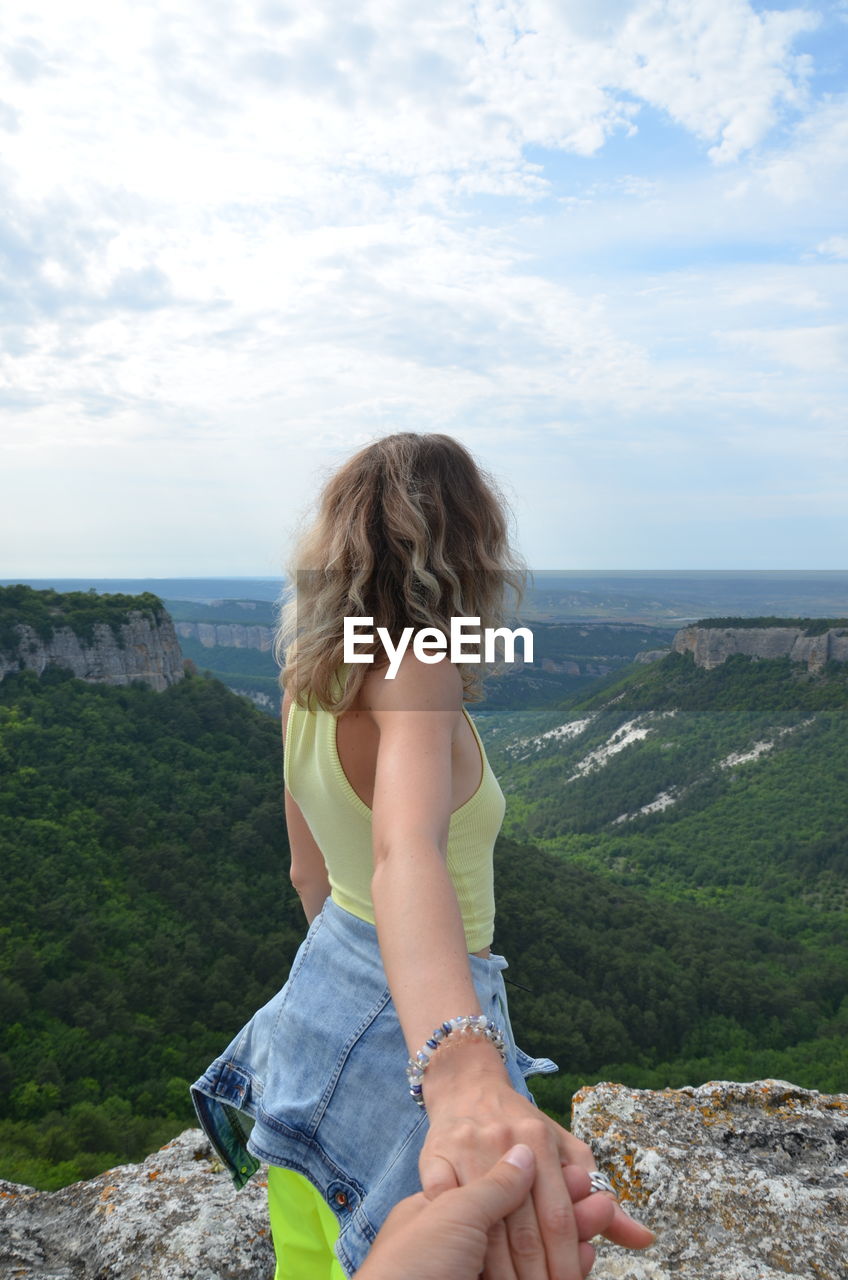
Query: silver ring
<point x="600" y="1182"/>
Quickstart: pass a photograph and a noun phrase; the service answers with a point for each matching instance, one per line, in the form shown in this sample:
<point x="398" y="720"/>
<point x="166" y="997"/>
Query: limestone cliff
<point x="227" y="635"/>
<point x="710" y="646"/>
<point x="135" y="643"/>
<point x="738" y="1181"/>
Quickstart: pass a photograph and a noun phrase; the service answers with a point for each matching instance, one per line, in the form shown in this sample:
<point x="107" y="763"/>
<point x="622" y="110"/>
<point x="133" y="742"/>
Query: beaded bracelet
<point x="476" y="1023"/>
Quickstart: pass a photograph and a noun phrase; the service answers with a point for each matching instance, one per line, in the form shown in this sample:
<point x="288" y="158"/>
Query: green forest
<point x="147" y="910"/>
<point x="46" y="611"/>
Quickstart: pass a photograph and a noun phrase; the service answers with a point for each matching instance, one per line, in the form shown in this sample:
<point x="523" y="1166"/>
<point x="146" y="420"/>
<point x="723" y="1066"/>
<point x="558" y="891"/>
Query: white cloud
<point x="813" y="348"/>
<point x="815" y="162"/>
<point x="722" y="70"/>
<point x="247" y="227"/>
<point x="834" y="247"/>
<point x="196" y="103"/>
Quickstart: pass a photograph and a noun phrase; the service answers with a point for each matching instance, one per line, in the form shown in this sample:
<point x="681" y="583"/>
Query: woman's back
<point x="330" y="765"/>
<point x="357" y="741"/>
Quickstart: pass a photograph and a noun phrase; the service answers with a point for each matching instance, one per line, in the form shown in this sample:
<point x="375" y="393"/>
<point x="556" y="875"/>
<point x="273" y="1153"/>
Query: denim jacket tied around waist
<point x="315" y="1081"/>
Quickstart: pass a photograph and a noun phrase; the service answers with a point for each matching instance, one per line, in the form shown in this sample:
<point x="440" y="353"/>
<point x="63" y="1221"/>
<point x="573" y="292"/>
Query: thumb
<point x="506" y="1186"/>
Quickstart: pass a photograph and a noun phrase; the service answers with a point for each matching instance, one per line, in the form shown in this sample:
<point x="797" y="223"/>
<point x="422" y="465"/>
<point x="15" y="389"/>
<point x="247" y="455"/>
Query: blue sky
<point x="602" y="242"/>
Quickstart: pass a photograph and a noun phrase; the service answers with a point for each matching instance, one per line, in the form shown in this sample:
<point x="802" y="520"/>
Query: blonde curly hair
<point x="409" y="531"/>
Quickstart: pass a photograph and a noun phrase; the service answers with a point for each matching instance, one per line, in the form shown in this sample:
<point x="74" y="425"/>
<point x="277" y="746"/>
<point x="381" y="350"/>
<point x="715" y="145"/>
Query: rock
<point x="147" y="649"/>
<point x="227" y="635"/>
<point x="262" y="700"/>
<point x="739" y="1181"/>
<point x="710" y="646"/>
<point x="177" y="1216"/>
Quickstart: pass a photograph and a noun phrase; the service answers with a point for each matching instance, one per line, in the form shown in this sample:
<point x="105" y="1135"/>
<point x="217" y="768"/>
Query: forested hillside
<point x="147" y="910"/>
<point x="723" y="793"/>
<point x="730" y="785"/>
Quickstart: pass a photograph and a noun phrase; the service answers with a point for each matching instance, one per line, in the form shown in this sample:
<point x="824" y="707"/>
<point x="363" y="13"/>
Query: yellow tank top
<point x="340" y="822"/>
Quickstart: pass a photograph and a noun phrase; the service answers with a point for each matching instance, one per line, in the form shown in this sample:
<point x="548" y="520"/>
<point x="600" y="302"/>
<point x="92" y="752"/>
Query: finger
<point x="598" y="1213"/>
<point x="573" y="1150"/>
<point x="501" y="1192"/>
<point x="503" y="1189"/>
<point x="498" y="1263"/>
<point x="557" y="1222"/>
<point x="577" y="1182"/>
<point x="594" y="1215"/>
<point x="627" y="1231"/>
<point x="437" y="1175"/>
<point x="526" y="1246"/>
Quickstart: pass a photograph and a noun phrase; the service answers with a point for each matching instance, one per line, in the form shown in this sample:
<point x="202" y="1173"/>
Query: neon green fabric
<point x="341" y="823"/>
<point x="303" y="1227"/>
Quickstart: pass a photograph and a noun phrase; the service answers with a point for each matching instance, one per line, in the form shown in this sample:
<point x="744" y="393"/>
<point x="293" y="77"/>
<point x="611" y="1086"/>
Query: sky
<point x="604" y="243"/>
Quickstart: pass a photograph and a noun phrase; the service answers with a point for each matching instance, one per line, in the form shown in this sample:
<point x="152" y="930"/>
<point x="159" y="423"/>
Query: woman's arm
<point x="308" y="869"/>
<point x="475" y="1114"/>
<point x="419" y="925"/>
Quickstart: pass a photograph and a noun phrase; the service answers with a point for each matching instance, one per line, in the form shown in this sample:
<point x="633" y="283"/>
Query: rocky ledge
<point x="740" y="1182"/>
<point x="174" y="1217"/>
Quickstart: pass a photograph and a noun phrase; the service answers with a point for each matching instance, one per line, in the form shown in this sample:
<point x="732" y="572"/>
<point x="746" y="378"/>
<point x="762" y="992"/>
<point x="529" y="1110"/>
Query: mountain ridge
<point x="712" y="643"/>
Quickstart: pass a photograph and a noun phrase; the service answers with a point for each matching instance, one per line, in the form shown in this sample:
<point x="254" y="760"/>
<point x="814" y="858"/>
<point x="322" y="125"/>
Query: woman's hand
<point x="471" y="1128"/>
<point x="475" y="1117"/>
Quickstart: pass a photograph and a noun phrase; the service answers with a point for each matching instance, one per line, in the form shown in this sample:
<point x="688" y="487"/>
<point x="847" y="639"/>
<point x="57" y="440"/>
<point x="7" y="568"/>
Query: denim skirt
<point x="315" y="1081"/>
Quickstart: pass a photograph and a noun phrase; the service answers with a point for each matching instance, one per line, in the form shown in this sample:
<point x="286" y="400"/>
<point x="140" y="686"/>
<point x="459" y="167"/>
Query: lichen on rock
<point x="739" y="1181"/>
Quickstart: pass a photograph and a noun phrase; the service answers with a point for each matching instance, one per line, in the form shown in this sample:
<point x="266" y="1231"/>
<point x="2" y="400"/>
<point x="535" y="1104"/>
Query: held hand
<point x="475" y="1116"/>
<point x="447" y="1238"/>
<point x="471" y="1125"/>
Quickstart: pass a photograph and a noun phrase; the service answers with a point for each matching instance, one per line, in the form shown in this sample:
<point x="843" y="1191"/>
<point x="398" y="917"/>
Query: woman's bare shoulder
<point x="417" y="686"/>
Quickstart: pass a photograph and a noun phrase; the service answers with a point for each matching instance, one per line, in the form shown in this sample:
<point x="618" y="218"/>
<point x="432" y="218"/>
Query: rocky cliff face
<point x="710" y="646"/>
<point x="227" y="635"/>
<point x="739" y="1181"/>
<point x="145" y="648"/>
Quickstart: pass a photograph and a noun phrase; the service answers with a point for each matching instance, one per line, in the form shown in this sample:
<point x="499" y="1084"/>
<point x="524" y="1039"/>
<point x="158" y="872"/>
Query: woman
<point x="392" y="812"/>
